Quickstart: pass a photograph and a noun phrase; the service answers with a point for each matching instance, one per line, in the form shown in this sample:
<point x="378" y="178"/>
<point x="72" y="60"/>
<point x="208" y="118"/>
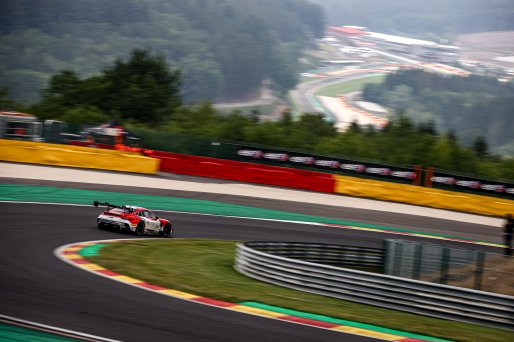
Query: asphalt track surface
<point x="36" y="286"/>
<point x="304" y="89"/>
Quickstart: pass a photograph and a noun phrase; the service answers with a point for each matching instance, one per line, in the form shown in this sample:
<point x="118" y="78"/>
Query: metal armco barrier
<point x="322" y="253"/>
<point x="414" y="296"/>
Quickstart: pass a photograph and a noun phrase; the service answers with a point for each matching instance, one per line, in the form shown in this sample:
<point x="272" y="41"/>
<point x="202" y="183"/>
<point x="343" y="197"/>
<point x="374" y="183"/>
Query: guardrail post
<point x="445" y="263"/>
<point x="428" y="176"/>
<point x="479" y="270"/>
<point x="418" y="254"/>
<point x="397" y="268"/>
<point x="419" y="173"/>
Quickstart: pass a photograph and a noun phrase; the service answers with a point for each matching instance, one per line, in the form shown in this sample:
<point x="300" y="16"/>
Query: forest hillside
<point x="226" y="48"/>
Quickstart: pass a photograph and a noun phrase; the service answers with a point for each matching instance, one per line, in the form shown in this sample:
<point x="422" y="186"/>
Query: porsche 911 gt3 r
<point x="137" y="220"/>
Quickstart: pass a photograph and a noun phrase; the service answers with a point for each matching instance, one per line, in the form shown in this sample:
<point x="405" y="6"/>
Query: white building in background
<point x="397" y="43"/>
<point x="428" y="50"/>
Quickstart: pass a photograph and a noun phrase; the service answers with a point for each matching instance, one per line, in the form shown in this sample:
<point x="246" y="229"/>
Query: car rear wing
<point x="109" y="205"/>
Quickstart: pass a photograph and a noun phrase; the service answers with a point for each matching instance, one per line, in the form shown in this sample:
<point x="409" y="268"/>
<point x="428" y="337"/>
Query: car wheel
<point x="100" y="225"/>
<point x="140" y="229"/>
<point x="167" y="230"/>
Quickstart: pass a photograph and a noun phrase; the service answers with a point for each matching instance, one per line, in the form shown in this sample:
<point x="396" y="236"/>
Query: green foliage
<point x="8" y="103"/>
<point x="225" y="48"/>
<point x="400" y="142"/>
<point x="79" y="115"/>
<point x="480" y="147"/>
<point x="143" y="88"/>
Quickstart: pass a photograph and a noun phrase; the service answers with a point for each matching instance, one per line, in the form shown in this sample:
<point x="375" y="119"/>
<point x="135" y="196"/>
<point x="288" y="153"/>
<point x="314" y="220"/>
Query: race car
<point x="133" y="219"/>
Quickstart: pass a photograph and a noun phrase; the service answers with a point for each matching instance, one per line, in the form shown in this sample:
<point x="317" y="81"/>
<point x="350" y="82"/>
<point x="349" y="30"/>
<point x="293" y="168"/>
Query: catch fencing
<point x="451" y="266"/>
<point x="391" y="292"/>
<point x="272" y="156"/>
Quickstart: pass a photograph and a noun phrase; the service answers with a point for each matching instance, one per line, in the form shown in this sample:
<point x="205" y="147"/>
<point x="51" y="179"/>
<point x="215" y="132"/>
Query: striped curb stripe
<point x="74" y="255"/>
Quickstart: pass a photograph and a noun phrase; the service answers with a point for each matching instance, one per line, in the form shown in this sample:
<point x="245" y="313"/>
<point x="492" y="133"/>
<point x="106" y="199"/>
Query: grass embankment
<point x="348" y="86"/>
<point x="205" y="267"/>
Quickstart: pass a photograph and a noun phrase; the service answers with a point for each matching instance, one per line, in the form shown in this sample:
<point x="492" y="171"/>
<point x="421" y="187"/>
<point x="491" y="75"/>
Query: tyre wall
<point x="76" y="156"/>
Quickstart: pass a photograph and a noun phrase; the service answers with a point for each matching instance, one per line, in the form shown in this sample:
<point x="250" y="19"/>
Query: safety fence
<point x="391" y="292"/>
<point x="441" y="264"/>
<point x="106" y="137"/>
<point x="415" y="175"/>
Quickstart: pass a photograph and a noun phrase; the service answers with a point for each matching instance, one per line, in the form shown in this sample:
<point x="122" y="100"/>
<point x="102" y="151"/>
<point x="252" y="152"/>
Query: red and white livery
<point x="137" y="220"/>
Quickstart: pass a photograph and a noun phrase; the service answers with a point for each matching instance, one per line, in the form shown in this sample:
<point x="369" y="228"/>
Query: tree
<point x="142" y="88"/>
<point x="428" y="127"/>
<point x="6" y="102"/>
<point x="480" y="147"/>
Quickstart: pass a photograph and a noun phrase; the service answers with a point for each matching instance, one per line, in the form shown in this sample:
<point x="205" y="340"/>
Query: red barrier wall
<point x="243" y="172"/>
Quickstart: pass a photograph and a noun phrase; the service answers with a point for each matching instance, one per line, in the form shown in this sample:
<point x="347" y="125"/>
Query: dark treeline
<point x="471" y="106"/>
<point x="225" y="48"/>
<point x="428" y="19"/>
<point x="144" y="93"/>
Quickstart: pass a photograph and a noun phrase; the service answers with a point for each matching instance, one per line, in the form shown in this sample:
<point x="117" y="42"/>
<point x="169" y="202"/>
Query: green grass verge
<point x="348" y="86"/>
<point x="14" y="333"/>
<point x="205" y="267"/>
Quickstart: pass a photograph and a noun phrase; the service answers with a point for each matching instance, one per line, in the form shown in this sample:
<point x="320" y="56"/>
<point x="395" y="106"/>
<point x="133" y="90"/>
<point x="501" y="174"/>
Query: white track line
<point x="52" y="330"/>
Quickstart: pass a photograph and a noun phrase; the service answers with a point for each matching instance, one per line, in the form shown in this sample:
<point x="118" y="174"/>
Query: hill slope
<point x="226" y="47"/>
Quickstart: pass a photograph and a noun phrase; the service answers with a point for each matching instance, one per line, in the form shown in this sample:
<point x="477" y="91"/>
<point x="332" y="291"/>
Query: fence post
<point x="428" y="176"/>
<point x="445" y="262"/>
<point x="419" y="173"/>
<point x="479" y="270"/>
<point x="386" y="256"/>
<point x="418" y="255"/>
<point x="398" y="254"/>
